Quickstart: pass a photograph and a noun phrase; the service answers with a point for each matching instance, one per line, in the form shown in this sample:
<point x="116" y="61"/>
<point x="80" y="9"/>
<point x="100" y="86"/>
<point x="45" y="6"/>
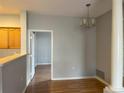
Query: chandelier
<point x="88" y="21"/>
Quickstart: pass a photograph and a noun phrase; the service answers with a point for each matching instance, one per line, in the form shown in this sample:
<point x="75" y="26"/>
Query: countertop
<point x="10" y="58"/>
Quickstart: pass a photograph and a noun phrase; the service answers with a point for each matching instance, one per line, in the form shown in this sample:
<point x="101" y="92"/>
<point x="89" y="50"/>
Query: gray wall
<point x="43" y="48"/>
<point x="103" y="42"/>
<point x="14" y="76"/>
<point x="74" y="48"/>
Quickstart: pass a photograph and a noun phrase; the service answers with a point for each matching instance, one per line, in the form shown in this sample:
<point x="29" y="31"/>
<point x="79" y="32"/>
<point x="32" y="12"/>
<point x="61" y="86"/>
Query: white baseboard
<point x="44" y="64"/>
<point x="101" y="80"/>
<point x="24" y="89"/>
<point x="109" y="89"/>
<point x="74" y="78"/>
<point x="28" y="81"/>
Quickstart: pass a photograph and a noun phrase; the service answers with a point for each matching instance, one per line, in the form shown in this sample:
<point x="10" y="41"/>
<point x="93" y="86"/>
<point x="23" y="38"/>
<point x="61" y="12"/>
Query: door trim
<point x="51" y="31"/>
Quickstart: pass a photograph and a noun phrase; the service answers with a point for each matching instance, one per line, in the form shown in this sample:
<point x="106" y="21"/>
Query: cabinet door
<point x="3" y="38"/>
<point x="14" y="38"/>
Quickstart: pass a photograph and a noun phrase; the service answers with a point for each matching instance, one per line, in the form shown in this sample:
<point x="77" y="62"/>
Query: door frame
<point x="29" y="35"/>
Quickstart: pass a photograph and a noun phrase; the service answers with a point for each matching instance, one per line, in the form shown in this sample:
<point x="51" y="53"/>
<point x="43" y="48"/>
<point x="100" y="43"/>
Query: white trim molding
<point x="109" y="89"/>
<point x="24" y="89"/>
<point x="44" y="64"/>
<point x="51" y="31"/>
<point x="83" y="77"/>
<point x="28" y="81"/>
<point x="101" y="80"/>
<point x="74" y="78"/>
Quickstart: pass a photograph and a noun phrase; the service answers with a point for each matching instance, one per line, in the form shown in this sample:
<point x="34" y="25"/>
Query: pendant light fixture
<point x="88" y="21"/>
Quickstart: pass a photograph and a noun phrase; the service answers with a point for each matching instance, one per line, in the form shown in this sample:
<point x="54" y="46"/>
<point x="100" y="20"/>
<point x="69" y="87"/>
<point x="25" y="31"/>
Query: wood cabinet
<point x="10" y="38"/>
<point x="14" y="38"/>
<point x="3" y="38"/>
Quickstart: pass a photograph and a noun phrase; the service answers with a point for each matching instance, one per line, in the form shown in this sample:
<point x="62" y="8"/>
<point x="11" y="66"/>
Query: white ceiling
<point x="56" y="7"/>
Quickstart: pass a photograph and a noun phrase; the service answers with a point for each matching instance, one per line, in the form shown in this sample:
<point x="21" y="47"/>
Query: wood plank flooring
<point x="42" y="84"/>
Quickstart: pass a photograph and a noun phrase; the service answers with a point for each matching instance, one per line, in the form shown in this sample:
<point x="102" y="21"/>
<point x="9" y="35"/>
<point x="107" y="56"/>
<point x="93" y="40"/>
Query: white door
<point x="32" y="46"/>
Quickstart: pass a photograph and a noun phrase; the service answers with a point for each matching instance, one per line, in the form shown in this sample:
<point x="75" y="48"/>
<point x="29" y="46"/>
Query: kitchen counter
<point x="13" y="71"/>
<point x="10" y="58"/>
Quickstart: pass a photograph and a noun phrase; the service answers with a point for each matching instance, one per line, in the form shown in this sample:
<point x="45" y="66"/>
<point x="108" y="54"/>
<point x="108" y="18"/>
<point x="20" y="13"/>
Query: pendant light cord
<point x="88" y="14"/>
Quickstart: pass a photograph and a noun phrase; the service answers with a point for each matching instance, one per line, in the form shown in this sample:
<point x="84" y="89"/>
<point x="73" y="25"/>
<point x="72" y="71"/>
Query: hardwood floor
<point x="42" y="84"/>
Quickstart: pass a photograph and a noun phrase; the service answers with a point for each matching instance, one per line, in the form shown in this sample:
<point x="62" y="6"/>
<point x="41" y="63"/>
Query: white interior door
<point x="32" y="49"/>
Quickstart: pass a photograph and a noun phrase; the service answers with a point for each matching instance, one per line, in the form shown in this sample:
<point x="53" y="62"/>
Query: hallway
<point x="41" y="83"/>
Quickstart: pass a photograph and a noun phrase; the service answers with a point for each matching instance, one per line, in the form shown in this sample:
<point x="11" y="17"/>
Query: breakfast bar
<point x="12" y="73"/>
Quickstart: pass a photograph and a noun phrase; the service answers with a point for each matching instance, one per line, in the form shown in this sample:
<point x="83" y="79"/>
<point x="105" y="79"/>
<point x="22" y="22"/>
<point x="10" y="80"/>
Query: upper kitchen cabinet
<point x="14" y="38"/>
<point x="3" y="38"/>
<point x="10" y="37"/>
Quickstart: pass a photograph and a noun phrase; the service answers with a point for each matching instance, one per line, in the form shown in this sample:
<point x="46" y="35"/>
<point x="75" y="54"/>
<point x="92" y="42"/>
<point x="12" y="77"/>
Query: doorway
<point x="41" y="51"/>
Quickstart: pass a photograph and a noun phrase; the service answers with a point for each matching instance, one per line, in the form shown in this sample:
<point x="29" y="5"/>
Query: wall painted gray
<point x="43" y="48"/>
<point x="103" y="44"/>
<point x="74" y="48"/>
<point x="14" y="76"/>
<point x="1" y="81"/>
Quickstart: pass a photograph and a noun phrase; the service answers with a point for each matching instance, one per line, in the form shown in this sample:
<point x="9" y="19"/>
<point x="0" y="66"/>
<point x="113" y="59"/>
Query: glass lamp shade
<point x="88" y="22"/>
